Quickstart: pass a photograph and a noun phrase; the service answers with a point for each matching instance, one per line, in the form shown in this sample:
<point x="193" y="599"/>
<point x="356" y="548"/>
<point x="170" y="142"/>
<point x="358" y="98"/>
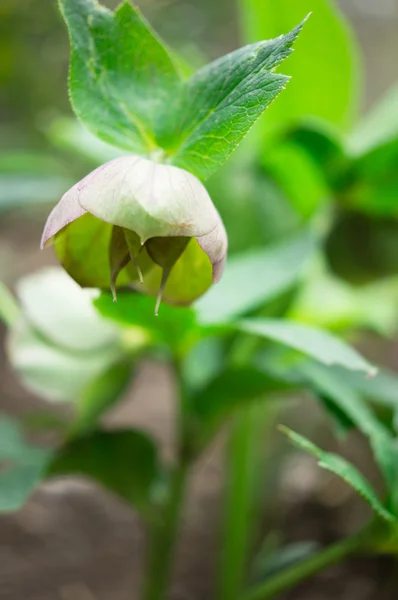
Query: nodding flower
<point x="135" y="222"/>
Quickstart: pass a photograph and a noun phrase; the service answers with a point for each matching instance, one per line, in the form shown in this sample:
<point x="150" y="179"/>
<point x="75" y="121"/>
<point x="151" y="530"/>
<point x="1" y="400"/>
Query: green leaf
<point x="254" y="209"/>
<point x="325" y="66"/>
<point x="218" y="104"/>
<point x="174" y="326"/>
<point x="124" y="462"/>
<point x="382" y="389"/>
<point x="101" y="393"/>
<point x="298" y="175"/>
<point x="316" y="343"/>
<point x="325" y="381"/>
<point x="63" y="313"/>
<point x="341" y="391"/>
<point x="203" y="362"/>
<point x="232" y="389"/>
<point x="329" y="302"/>
<point x="125" y="88"/>
<point x="60" y="344"/>
<point x="121" y="77"/>
<point x="9" y="309"/>
<point x="342" y="468"/>
<point x="23" y="467"/>
<point x="378" y="127"/>
<point x="45" y="420"/>
<point x="342" y="424"/>
<point x="373" y="181"/>
<point x="54" y="372"/>
<point x="253" y="278"/>
<point x="323" y="143"/>
<point x="362" y="249"/>
<point x="267" y="564"/>
<point x="384" y="446"/>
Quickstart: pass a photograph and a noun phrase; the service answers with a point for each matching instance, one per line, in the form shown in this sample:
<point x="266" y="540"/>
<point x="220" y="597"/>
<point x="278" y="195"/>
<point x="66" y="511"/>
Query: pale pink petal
<point x="152" y="199"/>
<point x="215" y="244"/>
<point x="67" y="210"/>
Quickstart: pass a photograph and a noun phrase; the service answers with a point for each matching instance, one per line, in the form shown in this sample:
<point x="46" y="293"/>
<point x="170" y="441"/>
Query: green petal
<point x="119" y="256"/>
<point x="165" y="252"/>
<point x="190" y="277"/>
<point x="82" y="248"/>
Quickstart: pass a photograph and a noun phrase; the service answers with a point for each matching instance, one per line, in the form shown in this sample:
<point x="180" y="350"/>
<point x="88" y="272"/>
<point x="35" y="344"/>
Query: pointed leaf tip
<point x="342" y="468"/>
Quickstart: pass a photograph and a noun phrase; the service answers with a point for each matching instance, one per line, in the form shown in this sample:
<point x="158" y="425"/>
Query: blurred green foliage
<point x="309" y="200"/>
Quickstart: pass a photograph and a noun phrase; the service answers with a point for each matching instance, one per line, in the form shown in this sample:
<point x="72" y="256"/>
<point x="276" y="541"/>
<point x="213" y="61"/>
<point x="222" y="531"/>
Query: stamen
<point x="165" y="276"/>
<point x="136" y="266"/>
<point x="118" y="257"/>
<point x="113" y="290"/>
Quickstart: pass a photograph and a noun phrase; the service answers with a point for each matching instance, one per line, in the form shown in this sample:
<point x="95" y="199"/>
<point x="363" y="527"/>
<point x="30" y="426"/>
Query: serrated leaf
<point x="384" y="446"/>
<point x="255" y="277"/>
<point x="325" y="66"/>
<point x="124" y="462"/>
<point x="341" y="467"/>
<point x="121" y="76"/>
<point x="218" y="104"/>
<point x="318" y="344"/>
<point x="125" y="88"/>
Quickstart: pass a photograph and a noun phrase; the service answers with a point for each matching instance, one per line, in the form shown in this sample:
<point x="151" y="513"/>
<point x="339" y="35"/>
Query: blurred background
<point x="72" y="541"/>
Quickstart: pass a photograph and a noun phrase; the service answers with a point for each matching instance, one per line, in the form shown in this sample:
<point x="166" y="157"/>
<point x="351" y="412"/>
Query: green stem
<point x="163" y="530"/>
<point x="296" y="574"/>
<point x="243" y="457"/>
<point x="244" y="462"/>
<point x="163" y="535"/>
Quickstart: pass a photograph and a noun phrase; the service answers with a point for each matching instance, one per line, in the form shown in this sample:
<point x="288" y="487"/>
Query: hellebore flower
<point x="135" y="220"/>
